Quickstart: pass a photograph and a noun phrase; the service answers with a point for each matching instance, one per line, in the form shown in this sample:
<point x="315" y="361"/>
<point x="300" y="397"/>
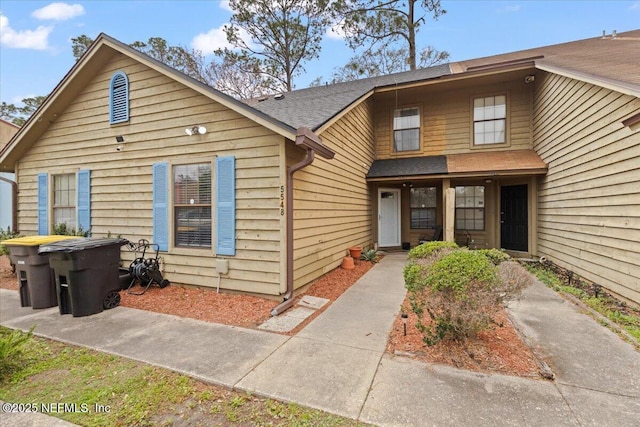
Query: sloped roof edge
<point x="616" y="85"/>
<point x="8" y="157"/>
<point x="218" y="96"/>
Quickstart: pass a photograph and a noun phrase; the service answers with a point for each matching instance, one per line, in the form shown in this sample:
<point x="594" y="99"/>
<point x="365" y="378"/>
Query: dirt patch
<point x="499" y="350"/>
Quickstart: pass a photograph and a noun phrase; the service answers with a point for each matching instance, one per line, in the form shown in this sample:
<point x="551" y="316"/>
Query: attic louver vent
<point x="119" y="98"/>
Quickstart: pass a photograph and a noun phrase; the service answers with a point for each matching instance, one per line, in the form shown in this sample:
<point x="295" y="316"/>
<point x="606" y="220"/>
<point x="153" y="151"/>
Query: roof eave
<point x="616" y="85"/>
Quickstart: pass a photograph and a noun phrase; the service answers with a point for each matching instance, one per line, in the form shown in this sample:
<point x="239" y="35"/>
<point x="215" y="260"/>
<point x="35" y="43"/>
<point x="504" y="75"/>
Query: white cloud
<point x="58" y="11"/>
<point x="214" y="39"/>
<point x="26" y="39"/>
<point x="224" y="4"/>
<point x="336" y="32"/>
<point x="635" y="6"/>
<point x="208" y="42"/>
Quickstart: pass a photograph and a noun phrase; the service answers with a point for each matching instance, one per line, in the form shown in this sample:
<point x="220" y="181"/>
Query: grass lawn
<point x="90" y="388"/>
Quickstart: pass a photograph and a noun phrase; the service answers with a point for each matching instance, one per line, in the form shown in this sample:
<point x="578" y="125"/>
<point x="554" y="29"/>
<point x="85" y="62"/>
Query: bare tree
<point x="277" y="36"/>
<point x="373" y="22"/>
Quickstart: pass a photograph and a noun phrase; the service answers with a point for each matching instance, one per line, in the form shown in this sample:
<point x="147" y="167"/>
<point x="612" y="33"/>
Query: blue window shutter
<point x="226" y="205"/>
<point x="119" y="98"/>
<point x="161" y="205"/>
<point x="43" y="204"/>
<point x="84" y="200"/>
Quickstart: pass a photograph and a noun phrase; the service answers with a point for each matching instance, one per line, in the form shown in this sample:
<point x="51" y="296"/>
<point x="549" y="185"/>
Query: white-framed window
<point x="490" y="120"/>
<point x="64" y="200"/>
<point x="423" y="207"/>
<point x="406" y="129"/>
<point x="470" y="207"/>
<point x="192" y="205"/>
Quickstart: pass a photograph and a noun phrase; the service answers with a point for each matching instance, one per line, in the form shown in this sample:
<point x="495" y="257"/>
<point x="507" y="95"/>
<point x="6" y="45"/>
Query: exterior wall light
<point x="196" y="130"/>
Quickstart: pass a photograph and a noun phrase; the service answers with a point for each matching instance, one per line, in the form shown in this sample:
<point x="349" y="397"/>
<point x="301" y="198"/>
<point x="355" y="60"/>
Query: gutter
<point x="307" y="139"/>
<point x="14" y="203"/>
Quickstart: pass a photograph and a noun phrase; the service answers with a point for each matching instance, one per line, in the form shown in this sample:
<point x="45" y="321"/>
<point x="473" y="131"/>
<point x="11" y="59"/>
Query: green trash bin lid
<point x="35" y="240"/>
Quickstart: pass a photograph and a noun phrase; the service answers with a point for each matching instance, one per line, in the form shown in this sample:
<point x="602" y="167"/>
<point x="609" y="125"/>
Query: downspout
<point x="307" y="139"/>
<point x="14" y="203"/>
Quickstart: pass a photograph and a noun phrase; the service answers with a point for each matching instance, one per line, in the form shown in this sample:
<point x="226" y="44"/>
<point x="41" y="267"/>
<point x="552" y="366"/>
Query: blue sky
<point x="35" y="36"/>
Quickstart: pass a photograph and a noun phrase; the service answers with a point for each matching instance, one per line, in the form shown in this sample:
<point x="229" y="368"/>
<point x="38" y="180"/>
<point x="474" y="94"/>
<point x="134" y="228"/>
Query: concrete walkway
<point x="337" y="362"/>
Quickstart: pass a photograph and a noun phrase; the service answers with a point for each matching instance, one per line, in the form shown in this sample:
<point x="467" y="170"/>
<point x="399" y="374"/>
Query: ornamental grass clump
<point x="456" y="292"/>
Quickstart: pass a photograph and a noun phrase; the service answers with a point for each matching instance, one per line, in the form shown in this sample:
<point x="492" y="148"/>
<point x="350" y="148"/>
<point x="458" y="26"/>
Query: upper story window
<point x="119" y="98"/>
<point x="192" y="204"/>
<point x="490" y="120"/>
<point x="406" y="129"/>
<point x="423" y="207"/>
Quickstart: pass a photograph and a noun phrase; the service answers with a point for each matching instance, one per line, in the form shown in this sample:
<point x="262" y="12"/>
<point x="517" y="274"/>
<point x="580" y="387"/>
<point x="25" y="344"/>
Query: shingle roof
<point x="314" y="106"/>
<point x="610" y="58"/>
<point x="480" y="163"/>
<point x="411" y="166"/>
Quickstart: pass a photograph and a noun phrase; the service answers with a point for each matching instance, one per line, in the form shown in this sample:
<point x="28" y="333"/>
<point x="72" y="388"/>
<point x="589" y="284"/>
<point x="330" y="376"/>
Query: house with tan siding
<point x="536" y="152"/>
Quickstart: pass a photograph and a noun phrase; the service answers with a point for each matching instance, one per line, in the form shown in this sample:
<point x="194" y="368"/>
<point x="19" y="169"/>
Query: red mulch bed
<point x="498" y="350"/>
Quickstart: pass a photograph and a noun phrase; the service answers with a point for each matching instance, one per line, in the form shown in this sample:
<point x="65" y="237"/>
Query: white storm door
<point x="388" y="217"/>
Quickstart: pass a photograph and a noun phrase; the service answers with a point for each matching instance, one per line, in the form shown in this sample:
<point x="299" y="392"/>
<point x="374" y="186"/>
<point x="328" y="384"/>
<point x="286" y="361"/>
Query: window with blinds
<point x="423" y="207"/>
<point x="192" y="205"/>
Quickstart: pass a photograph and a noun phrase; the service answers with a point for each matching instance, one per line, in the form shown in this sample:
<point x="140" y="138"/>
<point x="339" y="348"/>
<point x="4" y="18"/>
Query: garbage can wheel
<point x="112" y="300"/>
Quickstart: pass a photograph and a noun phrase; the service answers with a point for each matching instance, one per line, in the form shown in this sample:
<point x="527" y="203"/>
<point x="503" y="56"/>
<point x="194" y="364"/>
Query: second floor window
<point x="490" y="120"/>
<point x="406" y="129"/>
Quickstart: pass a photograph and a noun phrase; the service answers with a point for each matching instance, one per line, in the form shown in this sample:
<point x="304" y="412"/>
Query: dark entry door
<point x="514" y="225"/>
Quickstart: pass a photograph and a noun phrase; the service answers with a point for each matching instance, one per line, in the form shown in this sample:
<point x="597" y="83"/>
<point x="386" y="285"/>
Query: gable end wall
<point x="589" y="201"/>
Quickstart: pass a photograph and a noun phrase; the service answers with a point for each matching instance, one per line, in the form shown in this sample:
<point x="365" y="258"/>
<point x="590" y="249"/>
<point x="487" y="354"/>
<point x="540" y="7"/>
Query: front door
<point x="514" y="225"/>
<point x="388" y="217"/>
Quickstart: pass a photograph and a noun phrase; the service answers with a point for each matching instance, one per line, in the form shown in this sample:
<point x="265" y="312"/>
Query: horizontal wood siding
<point x="121" y="182"/>
<point x="589" y="202"/>
<point x="332" y="202"/>
<point x="447" y="118"/>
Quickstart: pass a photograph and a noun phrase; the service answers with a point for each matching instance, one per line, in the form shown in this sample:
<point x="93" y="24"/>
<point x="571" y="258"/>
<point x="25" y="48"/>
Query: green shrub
<point x="427" y="249"/>
<point x="370" y="255"/>
<point x="454" y="297"/>
<point x="62" y="230"/>
<point x="6" y="235"/>
<point x="11" y="351"/>
<point x="495" y="255"/>
<point x="459" y="269"/>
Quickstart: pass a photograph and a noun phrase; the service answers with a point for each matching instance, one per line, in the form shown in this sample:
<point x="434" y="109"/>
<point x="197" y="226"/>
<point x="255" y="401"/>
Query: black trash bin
<point x="86" y="274"/>
<point x="36" y="283"/>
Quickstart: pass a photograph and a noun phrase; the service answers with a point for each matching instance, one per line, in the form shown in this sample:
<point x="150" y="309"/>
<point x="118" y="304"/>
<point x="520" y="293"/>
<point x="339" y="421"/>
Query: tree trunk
<point x="411" y="32"/>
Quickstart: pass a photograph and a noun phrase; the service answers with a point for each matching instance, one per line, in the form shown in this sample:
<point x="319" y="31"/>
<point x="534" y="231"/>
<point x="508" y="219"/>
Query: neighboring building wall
<point x="589" y="202"/>
<point x="7" y="130"/>
<point x="6" y="206"/>
<point x="447" y="117"/>
<point x="121" y="181"/>
<point x="332" y="202"/>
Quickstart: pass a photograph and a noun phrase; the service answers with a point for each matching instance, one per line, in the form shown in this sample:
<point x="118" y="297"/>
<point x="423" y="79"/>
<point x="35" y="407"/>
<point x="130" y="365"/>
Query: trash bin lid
<point x="35" y="240"/>
<point x="76" y="245"/>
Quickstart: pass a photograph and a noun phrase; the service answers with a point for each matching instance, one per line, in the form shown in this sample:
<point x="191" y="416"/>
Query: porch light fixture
<point x="530" y="78"/>
<point x="196" y="130"/>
